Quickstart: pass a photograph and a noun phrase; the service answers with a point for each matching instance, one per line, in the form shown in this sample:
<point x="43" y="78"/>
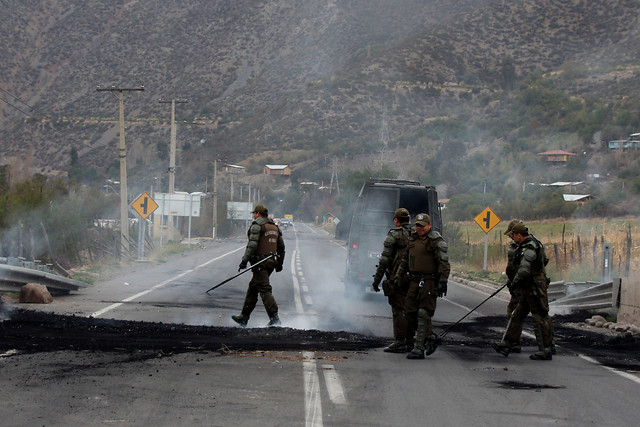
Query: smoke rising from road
<point x="318" y="270"/>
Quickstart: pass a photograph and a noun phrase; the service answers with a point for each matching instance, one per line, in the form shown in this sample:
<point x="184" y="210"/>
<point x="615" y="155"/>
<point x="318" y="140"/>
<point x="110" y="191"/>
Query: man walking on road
<point x="505" y="347"/>
<point x="531" y="280"/>
<point x="265" y="238"/>
<point x="393" y="264"/>
<point x="428" y="263"/>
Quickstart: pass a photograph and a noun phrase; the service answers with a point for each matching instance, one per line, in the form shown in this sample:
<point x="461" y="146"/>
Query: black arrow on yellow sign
<point x="144" y="205"/>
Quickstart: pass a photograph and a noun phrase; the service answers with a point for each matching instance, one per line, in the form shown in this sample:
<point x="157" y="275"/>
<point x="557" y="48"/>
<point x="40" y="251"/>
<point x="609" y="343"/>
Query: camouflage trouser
<point x="421" y="298"/>
<point x="400" y="324"/>
<point x="514" y="329"/>
<point x="259" y="285"/>
<point x="533" y="300"/>
<point x="516" y="294"/>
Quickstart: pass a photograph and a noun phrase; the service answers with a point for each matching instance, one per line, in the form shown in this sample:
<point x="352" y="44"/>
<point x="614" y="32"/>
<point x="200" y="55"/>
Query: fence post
<point x="606" y="262"/>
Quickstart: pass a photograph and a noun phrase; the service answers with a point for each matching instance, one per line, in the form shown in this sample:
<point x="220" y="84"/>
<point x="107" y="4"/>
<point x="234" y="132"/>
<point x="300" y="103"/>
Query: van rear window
<point x="416" y="200"/>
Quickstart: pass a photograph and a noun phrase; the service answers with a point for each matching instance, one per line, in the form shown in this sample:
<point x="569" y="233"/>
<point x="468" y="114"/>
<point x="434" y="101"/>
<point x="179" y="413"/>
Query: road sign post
<point x="144" y="206"/>
<point x="487" y="219"/>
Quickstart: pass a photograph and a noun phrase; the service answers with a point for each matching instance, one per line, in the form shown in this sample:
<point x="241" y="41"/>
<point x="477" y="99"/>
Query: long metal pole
<point x="190" y="211"/>
<point x="486" y="249"/>
<point x="271" y="255"/>
<point x="446" y="331"/>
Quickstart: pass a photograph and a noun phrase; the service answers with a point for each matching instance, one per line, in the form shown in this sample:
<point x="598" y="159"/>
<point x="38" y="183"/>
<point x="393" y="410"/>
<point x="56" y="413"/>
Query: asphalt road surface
<point x="150" y="347"/>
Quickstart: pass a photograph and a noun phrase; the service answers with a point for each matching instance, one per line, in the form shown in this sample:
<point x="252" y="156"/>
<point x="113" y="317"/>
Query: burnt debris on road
<point x="33" y="331"/>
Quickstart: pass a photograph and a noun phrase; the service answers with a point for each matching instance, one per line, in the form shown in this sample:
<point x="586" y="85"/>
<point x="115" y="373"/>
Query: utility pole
<point x="334" y="176"/>
<point x="215" y="197"/>
<point x="172" y="153"/>
<point x="124" y="204"/>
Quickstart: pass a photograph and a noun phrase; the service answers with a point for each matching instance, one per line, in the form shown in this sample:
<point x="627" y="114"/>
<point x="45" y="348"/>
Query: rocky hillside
<point x="325" y="78"/>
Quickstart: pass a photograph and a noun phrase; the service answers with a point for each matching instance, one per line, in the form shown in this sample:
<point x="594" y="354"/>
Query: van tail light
<point x="354" y="245"/>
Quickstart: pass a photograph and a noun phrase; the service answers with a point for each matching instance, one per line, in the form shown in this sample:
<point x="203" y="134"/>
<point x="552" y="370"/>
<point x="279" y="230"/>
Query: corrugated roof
<point x="576" y="197"/>
<point x="557" y="152"/>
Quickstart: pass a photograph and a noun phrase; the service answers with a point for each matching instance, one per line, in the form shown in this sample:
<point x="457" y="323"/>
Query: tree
<point x="508" y="73"/>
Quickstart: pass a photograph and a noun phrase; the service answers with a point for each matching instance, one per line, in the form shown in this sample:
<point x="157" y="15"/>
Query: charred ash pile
<point x="33" y="331"/>
<point x="568" y="334"/>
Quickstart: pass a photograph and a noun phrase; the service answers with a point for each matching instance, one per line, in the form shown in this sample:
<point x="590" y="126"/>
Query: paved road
<point x="462" y="383"/>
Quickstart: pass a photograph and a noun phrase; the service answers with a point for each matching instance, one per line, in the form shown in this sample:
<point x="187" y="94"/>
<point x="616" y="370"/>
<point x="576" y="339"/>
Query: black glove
<point x="376" y="284"/>
<point x="442" y="288"/>
<point x="510" y="286"/>
<point x="278" y="268"/>
<point x="243" y="265"/>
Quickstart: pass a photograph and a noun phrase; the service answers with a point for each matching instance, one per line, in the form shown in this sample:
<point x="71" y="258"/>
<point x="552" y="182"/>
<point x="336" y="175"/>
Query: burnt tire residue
<point x="32" y="331"/>
<point x="517" y="385"/>
<point x="620" y="351"/>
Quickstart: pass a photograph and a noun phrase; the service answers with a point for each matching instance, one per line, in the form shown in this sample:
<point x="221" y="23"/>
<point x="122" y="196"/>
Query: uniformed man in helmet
<point x="265" y="238"/>
<point x="505" y="347"/>
<point x="531" y="280"/>
<point x="393" y="264"/>
<point x="428" y="263"/>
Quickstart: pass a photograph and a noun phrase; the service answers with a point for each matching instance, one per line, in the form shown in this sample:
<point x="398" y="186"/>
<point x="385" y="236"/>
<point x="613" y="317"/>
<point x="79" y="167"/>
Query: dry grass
<point x="574" y="247"/>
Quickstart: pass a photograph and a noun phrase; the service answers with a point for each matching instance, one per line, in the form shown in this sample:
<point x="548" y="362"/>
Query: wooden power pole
<point x="172" y="153"/>
<point x="124" y="204"/>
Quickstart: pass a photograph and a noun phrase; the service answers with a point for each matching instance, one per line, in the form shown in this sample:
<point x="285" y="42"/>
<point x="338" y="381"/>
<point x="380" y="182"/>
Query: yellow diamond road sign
<point x="487" y="219"/>
<point x="144" y="205"/>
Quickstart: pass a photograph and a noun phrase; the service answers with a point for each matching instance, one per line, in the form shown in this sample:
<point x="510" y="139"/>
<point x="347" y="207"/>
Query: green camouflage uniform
<point x="532" y="281"/>
<point x="516" y="294"/>
<point x="393" y="264"/>
<point x="264" y="238"/>
<point x="428" y="263"/>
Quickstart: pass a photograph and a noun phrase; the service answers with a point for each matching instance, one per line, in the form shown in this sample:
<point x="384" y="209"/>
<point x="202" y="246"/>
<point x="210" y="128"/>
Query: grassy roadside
<point x="574" y="247"/>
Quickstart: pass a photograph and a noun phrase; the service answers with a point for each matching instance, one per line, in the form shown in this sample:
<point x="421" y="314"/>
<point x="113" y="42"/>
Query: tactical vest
<point x="513" y="261"/>
<point x="422" y="256"/>
<point x="402" y="246"/>
<point x="541" y="252"/>
<point x="537" y="267"/>
<point x="268" y="242"/>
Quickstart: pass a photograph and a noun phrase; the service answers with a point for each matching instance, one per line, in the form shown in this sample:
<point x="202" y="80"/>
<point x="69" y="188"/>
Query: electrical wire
<point x="43" y="116"/>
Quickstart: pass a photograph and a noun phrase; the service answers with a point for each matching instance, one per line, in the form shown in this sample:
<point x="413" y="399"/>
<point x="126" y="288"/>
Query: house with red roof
<point x="557" y="156"/>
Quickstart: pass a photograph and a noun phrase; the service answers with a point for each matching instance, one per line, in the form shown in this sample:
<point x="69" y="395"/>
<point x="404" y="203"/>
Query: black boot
<point x="432" y="343"/>
<point x="502" y="348"/>
<point x="421" y="335"/>
<point x="396" y="347"/>
<point x="541" y="355"/>
<point x="240" y="319"/>
<point x="274" y="320"/>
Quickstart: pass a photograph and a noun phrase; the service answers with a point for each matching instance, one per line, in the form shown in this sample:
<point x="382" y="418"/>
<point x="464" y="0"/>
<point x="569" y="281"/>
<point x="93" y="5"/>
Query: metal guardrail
<point x="583" y="296"/>
<point x="16" y="272"/>
<point x="556" y="290"/>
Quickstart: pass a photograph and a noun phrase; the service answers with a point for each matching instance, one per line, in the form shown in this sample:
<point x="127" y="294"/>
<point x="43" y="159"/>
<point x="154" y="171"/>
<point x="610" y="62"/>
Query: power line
<point x="44" y="116"/>
<point x="16" y="108"/>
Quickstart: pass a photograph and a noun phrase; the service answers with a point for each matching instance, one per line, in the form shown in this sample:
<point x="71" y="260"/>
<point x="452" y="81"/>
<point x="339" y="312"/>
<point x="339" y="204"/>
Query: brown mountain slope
<point x="312" y="75"/>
